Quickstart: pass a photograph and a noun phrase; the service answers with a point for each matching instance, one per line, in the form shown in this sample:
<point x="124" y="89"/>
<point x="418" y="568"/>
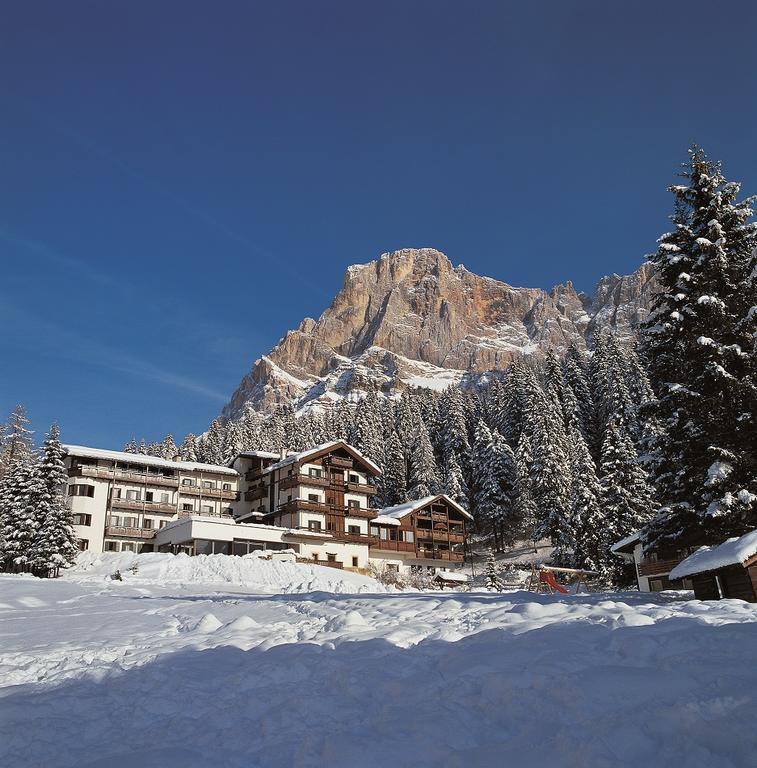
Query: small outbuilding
<point x="728" y="570"/>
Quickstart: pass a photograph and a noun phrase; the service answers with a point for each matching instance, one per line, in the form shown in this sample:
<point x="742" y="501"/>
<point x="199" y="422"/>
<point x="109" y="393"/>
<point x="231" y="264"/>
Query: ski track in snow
<point x="143" y="673"/>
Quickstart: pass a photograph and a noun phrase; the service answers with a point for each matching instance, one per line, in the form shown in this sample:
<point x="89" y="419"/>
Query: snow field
<point x="139" y="673"/>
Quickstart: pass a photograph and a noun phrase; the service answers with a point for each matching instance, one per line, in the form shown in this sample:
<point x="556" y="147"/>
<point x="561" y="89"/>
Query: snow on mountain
<point x="411" y="318"/>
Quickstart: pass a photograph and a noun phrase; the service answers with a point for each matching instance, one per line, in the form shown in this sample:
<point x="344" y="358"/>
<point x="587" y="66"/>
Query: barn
<point x="728" y="570"/>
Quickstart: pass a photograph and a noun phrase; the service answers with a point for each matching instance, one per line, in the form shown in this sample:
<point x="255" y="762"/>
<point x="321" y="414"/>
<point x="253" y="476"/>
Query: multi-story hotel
<point x="316" y="502"/>
<point x="120" y="500"/>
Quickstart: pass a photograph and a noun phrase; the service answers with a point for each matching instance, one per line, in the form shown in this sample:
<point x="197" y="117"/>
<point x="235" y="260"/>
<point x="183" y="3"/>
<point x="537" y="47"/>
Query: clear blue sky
<point x="182" y="182"/>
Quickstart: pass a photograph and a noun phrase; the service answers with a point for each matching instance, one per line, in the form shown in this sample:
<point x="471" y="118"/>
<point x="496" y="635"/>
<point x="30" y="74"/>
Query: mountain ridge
<point x="412" y="318"/>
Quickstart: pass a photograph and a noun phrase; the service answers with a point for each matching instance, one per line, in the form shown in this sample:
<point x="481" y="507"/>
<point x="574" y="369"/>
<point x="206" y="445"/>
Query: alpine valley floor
<point x="162" y="670"/>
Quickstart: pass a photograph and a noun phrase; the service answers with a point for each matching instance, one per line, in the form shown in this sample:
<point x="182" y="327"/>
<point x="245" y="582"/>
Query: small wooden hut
<point x="728" y="570"/>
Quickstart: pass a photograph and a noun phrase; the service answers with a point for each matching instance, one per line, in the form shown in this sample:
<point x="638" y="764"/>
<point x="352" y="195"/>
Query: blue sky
<point x="182" y="182"/>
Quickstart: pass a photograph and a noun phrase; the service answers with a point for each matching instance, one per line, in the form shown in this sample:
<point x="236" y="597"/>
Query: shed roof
<point x="735" y="551"/>
<point x="141" y="458"/>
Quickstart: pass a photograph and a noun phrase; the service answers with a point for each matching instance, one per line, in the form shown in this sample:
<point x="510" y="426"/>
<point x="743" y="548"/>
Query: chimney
<point x="283" y="453"/>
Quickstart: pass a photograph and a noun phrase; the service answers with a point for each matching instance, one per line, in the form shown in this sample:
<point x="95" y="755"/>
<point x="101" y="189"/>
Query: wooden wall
<point x="737" y="582"/>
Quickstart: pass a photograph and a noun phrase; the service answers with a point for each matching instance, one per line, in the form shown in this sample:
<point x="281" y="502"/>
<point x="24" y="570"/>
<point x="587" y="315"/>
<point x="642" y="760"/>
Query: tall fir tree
<point x="701" y="363"/>
<point x="54" y="545"/>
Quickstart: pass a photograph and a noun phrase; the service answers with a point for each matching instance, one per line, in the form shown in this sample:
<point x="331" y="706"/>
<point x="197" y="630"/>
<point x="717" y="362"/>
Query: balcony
<point x="657" y="567"/>
<point x="131" y="533"/>
<point x="304" y="505"/>
<point x="191" y="513"/>
<point x="426" y="534"/>
<point x="137" y="478"/>
<point x="360" y="488"/>
<point x="209" y="493"/>
<point x="290" y="481"/>
<point x="440" y="554"/>
<point x="256" y="493"/>
<point x="392" y="546"/>
<point x="338" y="461"/>
<point x="143" y="506"/>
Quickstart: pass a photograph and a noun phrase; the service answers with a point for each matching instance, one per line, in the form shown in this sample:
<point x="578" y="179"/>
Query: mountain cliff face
<point x="411" y="318"/>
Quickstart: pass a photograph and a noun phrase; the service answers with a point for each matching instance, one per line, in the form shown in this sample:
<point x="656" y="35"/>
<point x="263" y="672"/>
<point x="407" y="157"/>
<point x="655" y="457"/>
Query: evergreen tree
<point x="700" y="349"/>
<point x="131" y="446"/>
<point x="18" y="437"/>
<point x="524" y="507"/>
<point x="625" y="494"/>
<point x="54" y="544"/>
<point x="492" y="582"/>
<point x="168" y="449"/>
<point x="393" y="483"/>
<point x="17" y="514"/>
<point x="188" y="449"/>
<point x="423" y="475"/>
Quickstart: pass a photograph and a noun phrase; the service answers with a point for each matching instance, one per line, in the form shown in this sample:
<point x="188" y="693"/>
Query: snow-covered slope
<point x="271" y="576"/>
<point x="411" y="318"/>
<point x="118" y="675"/>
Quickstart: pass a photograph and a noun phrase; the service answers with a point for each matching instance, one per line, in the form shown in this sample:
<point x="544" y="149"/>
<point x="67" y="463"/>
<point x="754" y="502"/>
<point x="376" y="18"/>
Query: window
<point x="162" y="524"/>
<point x="164" y="498"/>
<point x="354" y="478"/>
<point x="207" y="508"/>
<point x="187" y="481"/>
<point x="130" y="522"/>
<point x="116" y="493"/>
<point x="354" y="562"/>
<point x="186" y="507"/>
<point x="313" y="472"/>
<point x="132" y="495"/>
<point x="227" y="486"/>
<point x="114" y="520"/>
<point x="208" y="484"/>
<point x="374" y="530"/>
<point x="111" y="546"/>
<point x="314" y="525"/>
<point x="353" y="529"/>
<point x="313" y="497"/>
<point x="82" y="519"/>
<point x="128" y="546"/>
<point x="409" y="536"/>
<point x="384" y="533"/>
<point x="353" y="504"/>
<point x="331" y="558"/>
<point x="83" y="545"/>
<point x="147" y="524"/>
<point x="148" y="496"/>
<point x="81" y="490"/>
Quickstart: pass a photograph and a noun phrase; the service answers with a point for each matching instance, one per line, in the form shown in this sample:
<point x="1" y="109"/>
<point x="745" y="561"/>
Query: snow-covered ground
<point x="159" y="670"/>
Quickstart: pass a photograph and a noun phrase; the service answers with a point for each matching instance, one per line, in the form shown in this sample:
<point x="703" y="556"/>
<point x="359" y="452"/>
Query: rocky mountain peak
<point x="411" y="318"/>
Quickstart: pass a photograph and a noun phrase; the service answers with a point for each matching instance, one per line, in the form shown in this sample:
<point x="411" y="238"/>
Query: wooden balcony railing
<point x="132" y="533"/>
<point x="143" y="506"/>
<point x="290" y="481"/>
<point x="209" y="493"/>
<point x="192" y="513"/>
<point x="392" y="546"/>
<point x="338" y="461"/>
<point x="138" y="478"/>
<point x="256" y="493"/>
<point x="360" y="488"/>
<point x="657" y="567"/>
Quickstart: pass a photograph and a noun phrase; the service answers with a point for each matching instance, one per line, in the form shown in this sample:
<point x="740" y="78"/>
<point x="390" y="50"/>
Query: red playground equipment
<point x="543" y="579"/>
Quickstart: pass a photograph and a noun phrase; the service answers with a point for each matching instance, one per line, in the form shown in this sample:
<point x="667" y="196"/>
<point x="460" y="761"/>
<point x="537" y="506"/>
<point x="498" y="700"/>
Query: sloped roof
<point x="141" y="458"/>
<point x="302" y="456"/>
<point x="627" y="544"/>
<point x="411" y="506"/>
<point x="735" y="551"/>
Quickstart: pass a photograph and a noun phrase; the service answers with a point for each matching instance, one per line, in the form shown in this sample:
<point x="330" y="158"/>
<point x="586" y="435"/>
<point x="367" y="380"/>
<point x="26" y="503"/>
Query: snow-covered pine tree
<point x="366" y="431"/>
<point x="188" y="449"/>
<point x="423" y="474"/>
<point x="701" y="363"/>
<point x="393" y="483"/>
<point x="591" y="547"/>
<point x="213" y="442"/>
<point x="142" y="447"/>
<point x="54" y="546"/>
<point x="19" y="521"/>
<point x="574" y="377"/>
<point x="524" y="507"/>
<point x="131" y="446"/>
<point x="491" y="580"/>
<point x="454" y="445"/>
<point x="18" y="437"/>
<point x="168" y="449"/>
<point x="626" y="497"/>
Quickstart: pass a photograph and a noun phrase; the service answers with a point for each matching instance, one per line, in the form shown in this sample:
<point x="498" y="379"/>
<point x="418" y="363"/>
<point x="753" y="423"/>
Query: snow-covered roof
<point x="385" y="520"/>
<point x="734" y="551"/>
<point x="623" y="544"/>
<point x="298" y="458"/>
<point x="411" y="506"/>
<point x="260" y="454"/>
<point x="141" y="458"/>
<point x="451" y="576"/>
